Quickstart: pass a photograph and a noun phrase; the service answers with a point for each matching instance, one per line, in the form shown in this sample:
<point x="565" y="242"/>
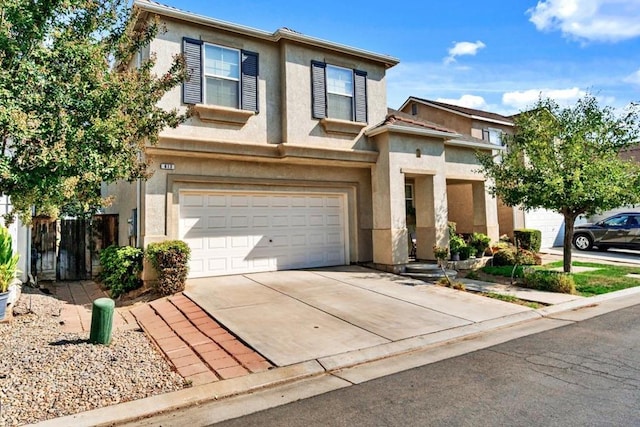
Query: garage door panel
<point x="262" y="232"/>
<point x="239" y="221"/>
<point x="298" y="221"/>
<point x="191" y="200"/>
<point x="280" y="221"/>
<point x="260" y="221"/>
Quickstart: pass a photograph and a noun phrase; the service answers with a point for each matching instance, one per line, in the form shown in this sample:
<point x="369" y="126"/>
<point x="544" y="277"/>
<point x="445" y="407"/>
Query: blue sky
<point x="491" y="55"/>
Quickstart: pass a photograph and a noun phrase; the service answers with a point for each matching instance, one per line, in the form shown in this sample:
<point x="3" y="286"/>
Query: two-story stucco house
<point x="291" y="158"/>
<point x="488" y="127"/>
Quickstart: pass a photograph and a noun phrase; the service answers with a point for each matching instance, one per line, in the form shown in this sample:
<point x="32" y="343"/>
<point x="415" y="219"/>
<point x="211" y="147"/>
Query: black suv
<point x="618" y="231"/>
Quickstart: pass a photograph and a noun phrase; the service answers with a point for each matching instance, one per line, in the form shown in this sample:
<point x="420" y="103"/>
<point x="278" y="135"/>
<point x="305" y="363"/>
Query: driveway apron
<point x="295" y="316"/>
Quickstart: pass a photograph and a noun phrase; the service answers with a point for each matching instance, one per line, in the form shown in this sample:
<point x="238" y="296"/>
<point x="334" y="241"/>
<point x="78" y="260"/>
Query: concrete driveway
<point x="295" y="316"/>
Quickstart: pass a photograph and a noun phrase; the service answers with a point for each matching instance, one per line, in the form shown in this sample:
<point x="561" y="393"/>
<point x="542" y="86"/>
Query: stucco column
<point x="390" y="240"/>
<point x="431" y="214"/>
<point x="485" y="211"/>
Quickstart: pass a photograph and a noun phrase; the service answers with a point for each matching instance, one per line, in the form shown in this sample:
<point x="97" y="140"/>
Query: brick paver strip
<point x="169" y="344"/>
<point x="235" y="347"/>
<point x="221" y="337"/>
<point x="210" y="356"/>
<point x="258" y="366"/>
<point x="203" y="378"/>
<point x="206" y="347"/>
<point x="189" y="370"/>
<point x="225" y="362"/>
<point x="181" y="362"/>
<point x="248" y="358"/>
<point x="233" y="372"/>
<point x="205" y="322"/>
<point x="195" y="338"/>
<point x="181" y="352"/>
<point x="159" y="334"/>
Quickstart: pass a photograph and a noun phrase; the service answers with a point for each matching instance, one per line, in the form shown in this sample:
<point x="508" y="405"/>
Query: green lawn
<point x="606" y="278"/>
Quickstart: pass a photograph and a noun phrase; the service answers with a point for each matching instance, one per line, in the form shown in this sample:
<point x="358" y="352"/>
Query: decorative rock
<point x="50" y="373"/>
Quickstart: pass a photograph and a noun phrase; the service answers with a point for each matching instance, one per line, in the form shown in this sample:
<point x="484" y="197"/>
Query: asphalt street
<point x="585" y="374"/>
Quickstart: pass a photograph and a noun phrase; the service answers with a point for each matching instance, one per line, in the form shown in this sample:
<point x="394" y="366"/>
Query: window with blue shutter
<point x="220" y="75"/>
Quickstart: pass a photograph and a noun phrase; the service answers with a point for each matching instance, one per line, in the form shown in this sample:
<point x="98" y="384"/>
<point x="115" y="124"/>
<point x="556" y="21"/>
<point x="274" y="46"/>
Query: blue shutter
<point x="249" y="81"/>
<point x="192" y="87"/>
<point x="318" y="90"/>
<point x="360" y="96"/>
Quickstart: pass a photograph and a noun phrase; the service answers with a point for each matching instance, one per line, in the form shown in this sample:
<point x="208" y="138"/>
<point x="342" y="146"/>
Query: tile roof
<point x="399" y="118"/>
<point x="465" y="110"/>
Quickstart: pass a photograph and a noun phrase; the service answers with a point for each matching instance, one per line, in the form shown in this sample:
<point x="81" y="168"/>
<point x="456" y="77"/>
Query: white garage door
<point x="550" y="224"/>
<point x="233" y="233"/>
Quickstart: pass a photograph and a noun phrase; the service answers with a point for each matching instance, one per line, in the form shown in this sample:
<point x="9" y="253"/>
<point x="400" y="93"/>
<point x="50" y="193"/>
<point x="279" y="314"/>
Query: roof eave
<point x="410" y="131"/>
<point x="278" y="35"/>
<point x="473" y="144"/>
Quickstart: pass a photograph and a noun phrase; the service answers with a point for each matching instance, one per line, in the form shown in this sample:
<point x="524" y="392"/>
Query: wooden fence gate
<point x="67" y="249"/>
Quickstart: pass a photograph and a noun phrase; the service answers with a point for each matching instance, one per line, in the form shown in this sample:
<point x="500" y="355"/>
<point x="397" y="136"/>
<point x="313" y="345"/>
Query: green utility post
<point x="102" y="321"/>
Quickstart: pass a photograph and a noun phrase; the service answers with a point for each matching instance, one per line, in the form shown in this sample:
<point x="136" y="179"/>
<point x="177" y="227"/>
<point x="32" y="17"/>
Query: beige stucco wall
<point x="284" y="91"/>
<point x="447" y="119"/>
<point x="162" y="191"/>
<point x="460" y="206"/>
<point x="506" y="217"/>
<point x="264" y="127"/>
<point x="299" y="125"/>
<point x="124" y="200"/>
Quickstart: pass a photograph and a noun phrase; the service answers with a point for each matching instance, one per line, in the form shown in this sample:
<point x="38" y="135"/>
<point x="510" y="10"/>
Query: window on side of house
<point x="492" y="135"/>
<point x="338" y="92"/>
<point x="219" y="75"/>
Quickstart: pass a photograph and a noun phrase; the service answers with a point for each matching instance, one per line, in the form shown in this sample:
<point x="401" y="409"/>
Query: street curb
<point x="396" y="348"/>
<point x="143" y="408"/>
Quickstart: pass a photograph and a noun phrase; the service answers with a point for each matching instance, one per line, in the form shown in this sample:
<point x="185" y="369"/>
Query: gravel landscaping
<point x="46" y="373"/>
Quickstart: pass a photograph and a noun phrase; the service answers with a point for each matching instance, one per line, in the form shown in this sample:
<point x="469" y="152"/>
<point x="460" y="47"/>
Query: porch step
<point x="427" y="272"/>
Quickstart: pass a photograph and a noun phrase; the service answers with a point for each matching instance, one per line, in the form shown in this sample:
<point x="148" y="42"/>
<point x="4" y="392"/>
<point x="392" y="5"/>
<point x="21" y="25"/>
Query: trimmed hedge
<point x="551" y="281"/>
<point x="121" y="268"/>
<point x="528" y="239"/>
<point x="171" y="261"/>
<point x="509" y="256"/>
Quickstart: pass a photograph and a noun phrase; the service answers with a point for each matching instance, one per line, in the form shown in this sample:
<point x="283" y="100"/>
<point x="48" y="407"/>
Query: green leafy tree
<point x="74" y="113"/>
<point x="567" y="160"/>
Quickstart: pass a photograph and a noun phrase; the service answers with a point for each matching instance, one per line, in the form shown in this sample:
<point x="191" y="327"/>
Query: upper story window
<point x="220" y="76"/>
<point x="338" y="93"/>
<point x="492" y="135"/>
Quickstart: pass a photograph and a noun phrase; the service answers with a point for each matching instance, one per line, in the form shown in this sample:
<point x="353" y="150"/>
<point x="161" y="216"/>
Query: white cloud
<point x="633" y="78"/>
<point x="463" y="48"/>
<point x="527" y="98"/>
<point x="469" y="101"/>
<point x="589" y="20"/>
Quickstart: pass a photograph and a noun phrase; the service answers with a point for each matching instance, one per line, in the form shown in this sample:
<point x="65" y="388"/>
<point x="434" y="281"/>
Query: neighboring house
<point x="487" y="127"/>
<point x="291" y="158"/>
